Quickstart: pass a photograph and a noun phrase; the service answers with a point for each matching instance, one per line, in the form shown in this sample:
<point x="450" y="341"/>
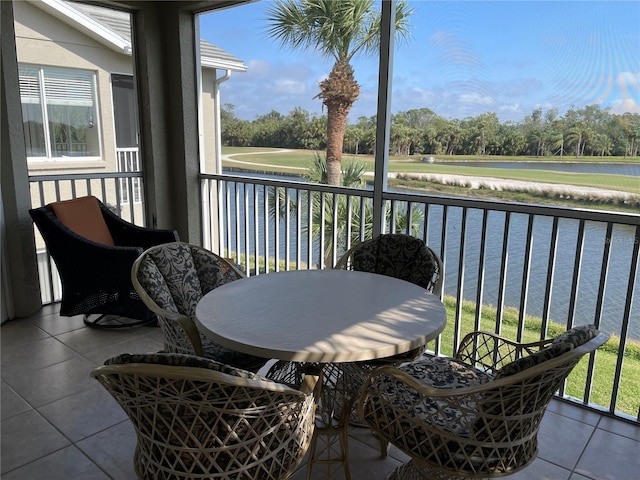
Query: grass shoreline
<point x="275" y="161"/>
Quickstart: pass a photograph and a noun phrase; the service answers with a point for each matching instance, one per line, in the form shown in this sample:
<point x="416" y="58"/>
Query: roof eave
<point x="86" y="25"/>
<point x="222" y="65"/>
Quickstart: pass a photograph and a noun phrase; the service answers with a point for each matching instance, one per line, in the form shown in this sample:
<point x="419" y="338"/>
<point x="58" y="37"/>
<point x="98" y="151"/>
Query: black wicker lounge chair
<point x="93" y="250"/>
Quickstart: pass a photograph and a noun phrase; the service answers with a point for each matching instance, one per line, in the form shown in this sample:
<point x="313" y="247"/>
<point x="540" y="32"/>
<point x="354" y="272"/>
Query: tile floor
<point x="60" y="424"/>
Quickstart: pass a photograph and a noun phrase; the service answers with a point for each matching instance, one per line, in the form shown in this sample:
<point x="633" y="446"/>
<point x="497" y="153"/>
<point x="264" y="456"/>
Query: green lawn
<point x="295" y="160"/>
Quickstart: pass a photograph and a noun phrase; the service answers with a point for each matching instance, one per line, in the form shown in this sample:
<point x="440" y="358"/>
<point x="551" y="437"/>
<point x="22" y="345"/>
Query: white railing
<point x="560" y="265"/>
<point x="128" y="161"/>
<point x="557" y="265"/>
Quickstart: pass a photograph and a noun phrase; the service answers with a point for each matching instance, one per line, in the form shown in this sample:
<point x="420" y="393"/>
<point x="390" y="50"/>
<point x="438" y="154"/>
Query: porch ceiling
<point x="191" y="5"/>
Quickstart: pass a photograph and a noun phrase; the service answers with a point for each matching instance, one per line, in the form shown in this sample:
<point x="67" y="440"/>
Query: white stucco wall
<point x="43" y="40"/>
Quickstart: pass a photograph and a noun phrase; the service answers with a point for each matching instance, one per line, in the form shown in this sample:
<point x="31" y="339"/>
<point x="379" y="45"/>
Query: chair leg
<point x="384" y="447"/>
<point x="333" y="453"/>
<point x="115" y="321"/>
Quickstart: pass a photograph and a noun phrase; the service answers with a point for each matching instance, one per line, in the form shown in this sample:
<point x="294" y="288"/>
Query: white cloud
<point x="626" y="79"/>
<point x="288" y="86"/>
<point x="474" y="98"/>
<point x="258" y="67"/>
<point x="513" y="108"/>
<point x="629" y="83"/>
<point x="421" y="95"/>
<point x="626" y="105"/>
<point x="519" y="87"/>
<point x="272" y="85"/>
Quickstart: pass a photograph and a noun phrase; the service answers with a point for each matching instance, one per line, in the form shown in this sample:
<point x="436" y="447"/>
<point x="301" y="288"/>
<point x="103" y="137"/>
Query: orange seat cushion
<point x="83" y="216"/>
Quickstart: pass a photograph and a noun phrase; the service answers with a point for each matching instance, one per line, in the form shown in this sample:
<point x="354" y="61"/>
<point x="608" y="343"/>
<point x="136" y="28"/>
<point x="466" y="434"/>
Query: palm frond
<point x="336" y="29"/>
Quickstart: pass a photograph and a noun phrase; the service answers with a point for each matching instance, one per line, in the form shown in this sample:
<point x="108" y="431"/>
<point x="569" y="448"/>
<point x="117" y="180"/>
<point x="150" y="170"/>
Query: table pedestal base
<point x="341" y="384"/>
<point x="330" y="449"/>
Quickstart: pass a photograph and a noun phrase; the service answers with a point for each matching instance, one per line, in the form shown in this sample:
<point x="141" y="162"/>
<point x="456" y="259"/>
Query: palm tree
<point x="339" y="30"/>
<point x="360" y="221"/>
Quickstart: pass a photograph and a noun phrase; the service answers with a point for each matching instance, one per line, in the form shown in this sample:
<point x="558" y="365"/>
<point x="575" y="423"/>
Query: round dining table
<point x="321" y="315"/>
<point x="329" y="317"/>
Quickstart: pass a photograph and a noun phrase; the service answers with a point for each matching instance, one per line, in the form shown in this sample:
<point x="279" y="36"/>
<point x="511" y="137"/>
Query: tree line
<point x="580" y="132"/>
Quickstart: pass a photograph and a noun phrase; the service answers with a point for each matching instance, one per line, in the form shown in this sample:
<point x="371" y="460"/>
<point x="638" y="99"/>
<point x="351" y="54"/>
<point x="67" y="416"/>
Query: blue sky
<point x="463" y="59"/>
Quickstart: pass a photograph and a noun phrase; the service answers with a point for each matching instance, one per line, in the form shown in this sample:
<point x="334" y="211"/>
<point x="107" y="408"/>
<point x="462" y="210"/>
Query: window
<point x="126" y="122"/>
<point x="59" y="112"/>
<point x="125" y="110"/>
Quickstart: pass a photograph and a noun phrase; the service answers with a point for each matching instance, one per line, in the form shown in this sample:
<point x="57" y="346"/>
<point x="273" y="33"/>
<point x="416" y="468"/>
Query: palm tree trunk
<point x="338" y="92"/>
<point x="336" y="124"/>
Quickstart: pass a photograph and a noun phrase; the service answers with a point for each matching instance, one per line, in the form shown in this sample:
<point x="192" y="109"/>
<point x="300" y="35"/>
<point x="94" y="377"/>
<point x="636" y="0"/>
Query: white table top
<point x="321" y="315"/>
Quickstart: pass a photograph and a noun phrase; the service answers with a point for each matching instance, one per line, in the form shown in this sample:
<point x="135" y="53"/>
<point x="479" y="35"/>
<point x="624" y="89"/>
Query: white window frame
<point x="42" y="98"/>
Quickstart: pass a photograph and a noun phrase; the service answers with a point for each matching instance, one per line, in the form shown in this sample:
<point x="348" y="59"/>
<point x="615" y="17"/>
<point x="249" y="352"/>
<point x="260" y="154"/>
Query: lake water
<point x="560" y="304"/>
<point x="632" y="170"/>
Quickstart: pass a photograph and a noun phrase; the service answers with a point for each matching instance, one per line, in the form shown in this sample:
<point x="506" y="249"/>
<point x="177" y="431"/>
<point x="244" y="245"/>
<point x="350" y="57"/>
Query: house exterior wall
<point x="43" y="40"/>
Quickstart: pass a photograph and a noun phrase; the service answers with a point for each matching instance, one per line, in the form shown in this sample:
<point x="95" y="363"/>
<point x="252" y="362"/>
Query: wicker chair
<point x="93" y="250"/>
<point x="199" y="419"/>
<point x="170" y="280"/>
<point x="476" y="415"/>
<point x="400" y="256"/>
<point x="396" y="255"/>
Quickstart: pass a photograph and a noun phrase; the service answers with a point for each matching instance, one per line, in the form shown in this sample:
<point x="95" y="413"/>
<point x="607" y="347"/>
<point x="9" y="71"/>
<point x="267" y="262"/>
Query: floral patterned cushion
<point x="155" y="285"/>
<point x="176" y="276"/>
<point x="212" y="273"/>
<point x="181" y="360"/>
<point x="397" y="255"/>
<point x="445" y="372"/>
<point x="177" y="267"/>
<point x="577" y="336"/>
<point x="437" y="372"/>
<point x="561" y="344"/>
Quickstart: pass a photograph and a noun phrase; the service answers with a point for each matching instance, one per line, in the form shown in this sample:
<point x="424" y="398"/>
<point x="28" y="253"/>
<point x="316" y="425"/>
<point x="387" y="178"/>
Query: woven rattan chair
<point x="476" y="415"/>
<point x="93" y="250"/>
<point x="171" y="279"/>
<point x="396" y="255"/>
<point x="400" y="256"/>
<point x="199" y="419"/>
